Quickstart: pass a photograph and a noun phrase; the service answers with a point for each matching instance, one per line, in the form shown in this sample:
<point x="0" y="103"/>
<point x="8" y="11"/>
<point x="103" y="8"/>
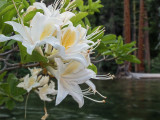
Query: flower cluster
<point x="66" y="47"/>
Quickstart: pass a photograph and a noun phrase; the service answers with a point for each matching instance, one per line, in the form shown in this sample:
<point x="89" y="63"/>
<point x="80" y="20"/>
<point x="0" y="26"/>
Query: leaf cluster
<point x="114" y="46"/>
<point x="9" y="93"/>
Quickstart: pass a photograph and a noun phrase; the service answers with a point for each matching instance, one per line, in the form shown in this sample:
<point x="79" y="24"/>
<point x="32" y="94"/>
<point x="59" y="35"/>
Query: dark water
<point x="127" y="100"/>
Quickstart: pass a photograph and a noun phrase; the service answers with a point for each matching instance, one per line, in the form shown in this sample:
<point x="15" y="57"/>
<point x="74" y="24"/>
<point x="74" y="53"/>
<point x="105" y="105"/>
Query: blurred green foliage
<point x="9" y="92"/>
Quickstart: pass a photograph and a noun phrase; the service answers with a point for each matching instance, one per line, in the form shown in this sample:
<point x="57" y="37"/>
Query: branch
<point x="18" y="65"/>
<point x="105" y="58"/>
<point x="10" y="51"/>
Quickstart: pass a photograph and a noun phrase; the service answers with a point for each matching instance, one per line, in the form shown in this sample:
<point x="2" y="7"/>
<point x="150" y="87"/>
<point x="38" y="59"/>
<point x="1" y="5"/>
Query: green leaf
<point x="130" y="44"/>
<point x="32" y="1"/>
<point x="2" y="2"/>
<point x="108" y="52"/>
<point x="18" y="98"/>
<point x="78" y="17"/>
<point x="7" y="29"/>
<point x="93" y="67"/>
<point x="130" y="58"/>
<point x="31" y="14"/>
<point x="11" y="42"/>
<point x="12" y="80"/>
<point x="66" y="3"/>
<point x="3" y="6"/>
<point x="3" y="100"/>
<point x="35" y="57"/>
<point x="2" y="76"/>
<point x="6" y="9"/>
<point x="26" y="4"/>
<point x="5" y="89"/>
<point x="87" y="21"/>
<point x="80" y="5"/>
<point x="102" y="48"/>
<point x="108" y="39"/>
<point x="10" y="104"/>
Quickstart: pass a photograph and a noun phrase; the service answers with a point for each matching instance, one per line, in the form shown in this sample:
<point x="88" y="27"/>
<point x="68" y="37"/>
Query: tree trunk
<point x="135" y="30"/>
<point x="141" y="37"/>
<point x="147" y="45"/>
<point x="127" y="28"/>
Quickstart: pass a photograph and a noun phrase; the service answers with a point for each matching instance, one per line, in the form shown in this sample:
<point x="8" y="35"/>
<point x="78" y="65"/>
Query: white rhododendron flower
<point x="69" y="77"/>
<point x="40" y="32"/>
<point x="75" y="43"/>
<point x="53" y="11"/>
<point x="29" y="83"/>
<point x="33" y="81"/>
<point x="45" y="90"/>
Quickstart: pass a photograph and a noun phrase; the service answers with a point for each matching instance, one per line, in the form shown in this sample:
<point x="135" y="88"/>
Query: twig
<point x="104" y="59"/>
<point x="18" y="65"/>
<point x="10" y="51"/>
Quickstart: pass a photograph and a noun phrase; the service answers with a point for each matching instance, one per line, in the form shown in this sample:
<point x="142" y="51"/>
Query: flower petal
<point x="22" y="30"/>
<point x="15" y="37"/>
<point x="77" y="57"/>
<point x="62" y="93"/>
<point x="42" y="6"/>
<point x="66" y="16"/>
<point x="90" y="84"/>
<point x="29" y="47"/>
<point x="77" y="95"/>
<point x="80" y="77"/>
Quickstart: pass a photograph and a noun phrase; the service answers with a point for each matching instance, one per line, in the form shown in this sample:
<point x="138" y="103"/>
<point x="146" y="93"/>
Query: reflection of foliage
<point x="9" y="93"/>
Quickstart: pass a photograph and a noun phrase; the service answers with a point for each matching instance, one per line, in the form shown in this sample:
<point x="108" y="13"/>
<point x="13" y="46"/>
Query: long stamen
<point x="72" y="8"/>
<point x="67" y="8"/>
<point x="101" y="95"/>
<point x="97" y="44"/>
<point x="102" y="101"/>
<point x="88" y="93"/>
<point x="86" y="89"/>
<point x="95" y="32"/>
<point x="61" y="4"/>
<point x="56" y="4"/>
<point x="100" y="32"/>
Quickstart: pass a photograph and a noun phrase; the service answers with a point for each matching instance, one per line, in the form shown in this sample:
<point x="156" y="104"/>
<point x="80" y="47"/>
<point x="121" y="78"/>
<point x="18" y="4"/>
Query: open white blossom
<point x="29" y="83"/>
<point x="33" y="81"/>
<point x="75" y="44"/>
<point x="53" y="11"/>
<point x="45" y="90"/>
<point x="40" y="32"/>
<point x="69" y="77"/>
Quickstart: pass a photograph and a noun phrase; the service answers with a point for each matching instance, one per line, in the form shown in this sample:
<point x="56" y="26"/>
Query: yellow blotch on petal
<point x="69" y="38"/>
<point x="31" y="81"/>
<point x="55" y="33"/>
<point x="48" y="29"/>
<point x="71" y="68"/>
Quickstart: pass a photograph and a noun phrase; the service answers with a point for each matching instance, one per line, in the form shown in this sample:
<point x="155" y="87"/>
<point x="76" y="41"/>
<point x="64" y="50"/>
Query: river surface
<point x="127" y="100"/>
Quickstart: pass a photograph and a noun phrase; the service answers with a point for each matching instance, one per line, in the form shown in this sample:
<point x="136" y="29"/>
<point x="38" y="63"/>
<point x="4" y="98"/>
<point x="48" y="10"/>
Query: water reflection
<point x="127" y="100"/>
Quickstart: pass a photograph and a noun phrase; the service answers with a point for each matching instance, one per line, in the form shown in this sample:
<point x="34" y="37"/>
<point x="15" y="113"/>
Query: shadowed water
<point x="127" y="100"/>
